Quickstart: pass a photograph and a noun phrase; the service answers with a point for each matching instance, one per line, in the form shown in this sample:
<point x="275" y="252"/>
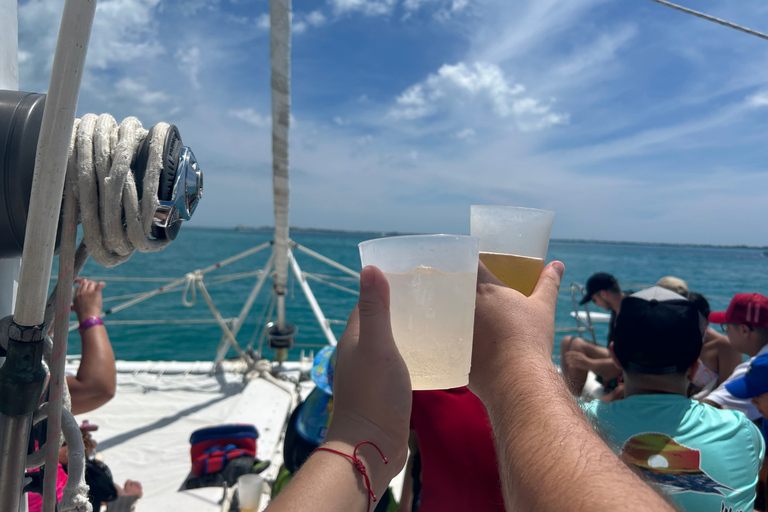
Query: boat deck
<point x="144" y="431"/>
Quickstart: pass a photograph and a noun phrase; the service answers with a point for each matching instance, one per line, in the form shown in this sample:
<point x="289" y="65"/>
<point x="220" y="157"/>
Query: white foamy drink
<point x="433" y="315"/>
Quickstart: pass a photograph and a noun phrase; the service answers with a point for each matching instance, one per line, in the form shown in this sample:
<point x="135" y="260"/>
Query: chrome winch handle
<point x="187" y="192"/>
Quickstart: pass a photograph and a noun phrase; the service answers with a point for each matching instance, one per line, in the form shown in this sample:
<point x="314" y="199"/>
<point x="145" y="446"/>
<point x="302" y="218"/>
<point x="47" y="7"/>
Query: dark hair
<point x="615" y="288"/>
<point x="701" y="303"/>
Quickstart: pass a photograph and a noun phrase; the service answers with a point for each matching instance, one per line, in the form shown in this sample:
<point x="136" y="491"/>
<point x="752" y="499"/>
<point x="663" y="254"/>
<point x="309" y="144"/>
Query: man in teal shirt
<point x="705" y="459"/>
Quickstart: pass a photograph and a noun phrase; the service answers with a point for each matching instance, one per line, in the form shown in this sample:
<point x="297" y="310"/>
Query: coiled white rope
<point x="115" y="223"/>
<point x="101" y="190"/>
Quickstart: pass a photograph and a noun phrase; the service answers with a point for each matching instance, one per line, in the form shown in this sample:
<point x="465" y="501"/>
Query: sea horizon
<point x="254" y="229"/>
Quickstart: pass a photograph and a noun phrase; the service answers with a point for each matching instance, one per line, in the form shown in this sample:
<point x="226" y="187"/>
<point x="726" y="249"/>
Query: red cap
<point x="745" y="308"/>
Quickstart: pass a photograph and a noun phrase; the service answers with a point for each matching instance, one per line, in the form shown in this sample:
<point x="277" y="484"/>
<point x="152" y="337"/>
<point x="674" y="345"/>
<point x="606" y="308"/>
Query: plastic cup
<point x="432" y="280"/>
<point x="249" y="490"/>
<point x="513" y="242"/>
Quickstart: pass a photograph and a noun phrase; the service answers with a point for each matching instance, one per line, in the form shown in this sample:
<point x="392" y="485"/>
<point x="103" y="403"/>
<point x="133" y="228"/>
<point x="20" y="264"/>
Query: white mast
<point x="280" y="61"/>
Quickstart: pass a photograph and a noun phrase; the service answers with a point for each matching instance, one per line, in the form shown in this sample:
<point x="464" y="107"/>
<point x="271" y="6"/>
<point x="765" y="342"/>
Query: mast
<point x="280" y="61"/>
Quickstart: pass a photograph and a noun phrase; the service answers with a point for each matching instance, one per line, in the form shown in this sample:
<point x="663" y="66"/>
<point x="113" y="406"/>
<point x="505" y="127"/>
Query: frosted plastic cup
<point x="513" y="242"/>
<point x="249" y="490"/>
<point x="432" y="280"/>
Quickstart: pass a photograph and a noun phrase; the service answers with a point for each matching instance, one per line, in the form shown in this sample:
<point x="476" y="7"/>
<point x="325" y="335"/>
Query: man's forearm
<point x="550" y="457"/>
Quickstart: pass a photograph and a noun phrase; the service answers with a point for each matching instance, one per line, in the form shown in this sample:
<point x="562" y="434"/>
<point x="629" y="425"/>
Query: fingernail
<point x="559" y="268"/>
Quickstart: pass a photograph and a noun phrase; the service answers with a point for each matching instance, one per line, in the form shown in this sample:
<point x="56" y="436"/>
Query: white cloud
<point x="516" y="27"/>
<point x="123" y="31"/>
<point x="189" y="64"/>
<point x="467" y="133"/>
<point x="444" y="8"/>
<point x="262" y="21"/>
<point x="299" y="27"/>
<point x="252" y="117"/>
<point x="367" y="7"/>
<point x="340" y="121"/>
<point x="139" y="92"/>
<point x="456" y="85"/>
<point x="458" y="5"/>
<point x="758" y="100"/>
<point x="602" y="50"/>
<point x="315" y="18"/>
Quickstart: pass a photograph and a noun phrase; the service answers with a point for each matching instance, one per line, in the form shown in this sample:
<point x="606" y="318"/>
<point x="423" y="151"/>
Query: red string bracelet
<point x="359" y="465"/>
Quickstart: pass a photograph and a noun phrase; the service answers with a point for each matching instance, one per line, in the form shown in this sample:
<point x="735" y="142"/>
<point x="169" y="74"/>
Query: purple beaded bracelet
<point x="90" y="322"/>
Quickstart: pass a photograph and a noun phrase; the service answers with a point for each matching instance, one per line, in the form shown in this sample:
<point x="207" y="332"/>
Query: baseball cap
<point x="745" y="308"/>
<point x="675" y="284"/>
<point x="754" y="382"/>
<point x="597" y="283"/>
<point x="657" y="332"/>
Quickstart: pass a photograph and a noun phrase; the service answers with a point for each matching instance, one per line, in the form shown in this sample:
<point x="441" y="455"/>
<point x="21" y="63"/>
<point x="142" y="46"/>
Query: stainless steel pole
<point x="20" y="377"/>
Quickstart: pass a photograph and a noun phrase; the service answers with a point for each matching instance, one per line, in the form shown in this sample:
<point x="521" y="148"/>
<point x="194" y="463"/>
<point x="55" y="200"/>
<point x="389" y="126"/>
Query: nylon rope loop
<point x="115" y="223"/>
<point x="189" y="287"/>
<point x="359" y="465"/>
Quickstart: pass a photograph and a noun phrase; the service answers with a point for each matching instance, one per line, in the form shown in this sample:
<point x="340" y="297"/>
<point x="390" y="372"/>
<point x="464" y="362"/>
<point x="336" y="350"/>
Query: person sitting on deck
<point x="674" y="284"/>
<point x="753" y="386"/>
<point x="706" y="459"/>
<point x="96" y="379"/>
<point x="579" y="356"/>
<point x="718" y="358"/>
<point x="745" y="322"/>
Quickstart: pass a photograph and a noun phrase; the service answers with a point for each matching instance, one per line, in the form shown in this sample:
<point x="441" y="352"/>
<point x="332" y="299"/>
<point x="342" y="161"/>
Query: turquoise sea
<point x="718" y="273"/>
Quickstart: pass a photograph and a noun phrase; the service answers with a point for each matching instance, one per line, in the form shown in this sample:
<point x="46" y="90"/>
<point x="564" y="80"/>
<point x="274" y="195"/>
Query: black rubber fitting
<point x="22" y="378"/>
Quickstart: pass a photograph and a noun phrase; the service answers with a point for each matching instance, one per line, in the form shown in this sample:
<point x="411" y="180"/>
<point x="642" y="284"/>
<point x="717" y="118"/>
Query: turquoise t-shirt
<point x="705" y="459"/>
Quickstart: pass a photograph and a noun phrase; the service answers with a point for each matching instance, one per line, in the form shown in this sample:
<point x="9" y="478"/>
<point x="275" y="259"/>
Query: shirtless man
<point x="577" y="355"/>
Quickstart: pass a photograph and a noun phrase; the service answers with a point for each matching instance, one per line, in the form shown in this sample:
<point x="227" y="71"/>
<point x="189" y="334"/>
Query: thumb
<point x="549" y="283"/>
<point x="373" y="305"/>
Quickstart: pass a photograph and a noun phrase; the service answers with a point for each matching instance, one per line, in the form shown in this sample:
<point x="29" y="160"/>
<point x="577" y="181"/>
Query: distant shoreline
<point x="250" y="229"/>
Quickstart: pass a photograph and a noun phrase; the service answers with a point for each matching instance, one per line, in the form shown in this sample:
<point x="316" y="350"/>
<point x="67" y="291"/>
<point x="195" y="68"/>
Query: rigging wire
<point x="713" y="19"/>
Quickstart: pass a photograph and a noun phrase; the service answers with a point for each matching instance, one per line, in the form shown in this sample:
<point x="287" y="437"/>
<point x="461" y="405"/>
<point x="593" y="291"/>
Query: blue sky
<point x="630" y="120"/>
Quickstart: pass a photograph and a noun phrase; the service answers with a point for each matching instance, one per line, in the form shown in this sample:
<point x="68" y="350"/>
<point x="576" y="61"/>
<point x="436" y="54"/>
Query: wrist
<point x="89" y="322"/>
<point x="380" y="470"/>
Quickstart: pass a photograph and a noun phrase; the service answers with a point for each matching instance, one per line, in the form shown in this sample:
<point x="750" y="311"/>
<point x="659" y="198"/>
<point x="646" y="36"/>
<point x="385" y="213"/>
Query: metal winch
<point x="21" y="113"/>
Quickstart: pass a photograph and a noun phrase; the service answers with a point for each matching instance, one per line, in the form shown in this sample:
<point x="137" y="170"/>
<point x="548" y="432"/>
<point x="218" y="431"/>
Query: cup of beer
<point x="513" y="242"/>
<point x="432" y="280"/>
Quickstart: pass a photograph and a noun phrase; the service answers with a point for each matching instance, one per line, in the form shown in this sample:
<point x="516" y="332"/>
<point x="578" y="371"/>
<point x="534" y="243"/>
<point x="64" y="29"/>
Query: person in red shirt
<point x="454" y="442"/>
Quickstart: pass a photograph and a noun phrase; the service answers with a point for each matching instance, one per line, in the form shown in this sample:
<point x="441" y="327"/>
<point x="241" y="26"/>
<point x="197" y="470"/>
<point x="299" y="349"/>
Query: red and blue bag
<point x="213" y="447"/>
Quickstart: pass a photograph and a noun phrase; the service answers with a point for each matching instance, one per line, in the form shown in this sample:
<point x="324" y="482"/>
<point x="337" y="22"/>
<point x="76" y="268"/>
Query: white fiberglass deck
<point x="144" y="431"/>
